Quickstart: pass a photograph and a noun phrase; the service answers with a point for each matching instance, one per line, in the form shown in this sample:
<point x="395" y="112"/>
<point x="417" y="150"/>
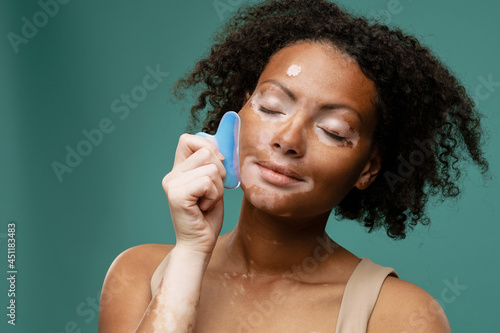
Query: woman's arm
<point x="194" y="191"/>
<point x="173" y="309"/>
<point x="126" y="302"/>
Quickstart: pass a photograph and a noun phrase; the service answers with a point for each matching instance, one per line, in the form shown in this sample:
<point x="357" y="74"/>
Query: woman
<point x="336" y="114"/>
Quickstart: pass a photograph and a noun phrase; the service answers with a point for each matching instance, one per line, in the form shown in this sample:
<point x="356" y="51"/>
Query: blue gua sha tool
<point x="226" y="140"/>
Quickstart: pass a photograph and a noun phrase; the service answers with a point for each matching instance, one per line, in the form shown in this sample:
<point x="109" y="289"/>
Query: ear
<point x="370" y="171"/>
<point x="247" y="97"/>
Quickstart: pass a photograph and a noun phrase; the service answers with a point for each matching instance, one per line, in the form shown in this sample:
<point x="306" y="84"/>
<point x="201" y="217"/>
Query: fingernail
<point x="221" y="157"/>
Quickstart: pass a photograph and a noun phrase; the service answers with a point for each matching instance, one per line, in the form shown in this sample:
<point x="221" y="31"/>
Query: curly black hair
<point x="427" y="122"/>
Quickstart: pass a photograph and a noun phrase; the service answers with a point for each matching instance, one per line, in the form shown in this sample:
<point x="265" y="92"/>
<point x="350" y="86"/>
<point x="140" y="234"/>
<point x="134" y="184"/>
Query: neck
<point x="284" y="246"/>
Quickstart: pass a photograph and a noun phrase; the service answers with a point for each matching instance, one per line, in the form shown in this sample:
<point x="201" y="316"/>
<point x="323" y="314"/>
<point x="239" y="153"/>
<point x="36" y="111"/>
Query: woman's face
<point x="306" y="132"/>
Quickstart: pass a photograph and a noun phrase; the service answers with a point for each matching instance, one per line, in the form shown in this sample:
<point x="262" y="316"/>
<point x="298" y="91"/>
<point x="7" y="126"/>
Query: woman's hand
<point x="194" y="191"/>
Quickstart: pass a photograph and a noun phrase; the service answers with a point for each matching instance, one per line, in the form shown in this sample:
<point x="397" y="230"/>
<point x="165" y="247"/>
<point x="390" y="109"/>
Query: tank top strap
<point x="360" y="296"/>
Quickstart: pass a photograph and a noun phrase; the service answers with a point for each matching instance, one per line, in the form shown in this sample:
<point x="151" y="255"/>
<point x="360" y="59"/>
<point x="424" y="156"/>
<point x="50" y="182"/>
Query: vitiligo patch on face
<point x="268" y="198"/>
<point x="294" y="70"/>
<point x="340" y="126"/>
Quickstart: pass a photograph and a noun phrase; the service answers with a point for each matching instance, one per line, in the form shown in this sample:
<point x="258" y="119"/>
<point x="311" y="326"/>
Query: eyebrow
<point x="333" y="106"/>
<point x="337" y="106"/>
<point x="284" y="88"/>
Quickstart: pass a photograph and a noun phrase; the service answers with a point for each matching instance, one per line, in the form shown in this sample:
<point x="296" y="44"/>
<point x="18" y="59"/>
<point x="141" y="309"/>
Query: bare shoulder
<point x="138" y="262"/>
<point x="126" y="291"/>
<point x="145" y="256"/>
<point x="405" y="307"/>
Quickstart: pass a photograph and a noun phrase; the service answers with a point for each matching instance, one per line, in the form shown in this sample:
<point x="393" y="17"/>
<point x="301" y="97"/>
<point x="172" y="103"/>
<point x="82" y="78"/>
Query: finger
<point x="210" y="198"/>
<point x="213" y="197"/>
<point x="189" y="187"/>
<point x="202" y="157"/>
<point x="189" y="144"/>
<point x="204" y="192"/>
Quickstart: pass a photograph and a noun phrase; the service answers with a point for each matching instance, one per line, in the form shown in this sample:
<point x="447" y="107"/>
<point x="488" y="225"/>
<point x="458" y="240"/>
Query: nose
<point x="288" y="137"/>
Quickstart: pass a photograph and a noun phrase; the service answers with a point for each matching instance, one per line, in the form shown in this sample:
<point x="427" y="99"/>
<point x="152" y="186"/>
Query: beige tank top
<point x="360" y="294"/>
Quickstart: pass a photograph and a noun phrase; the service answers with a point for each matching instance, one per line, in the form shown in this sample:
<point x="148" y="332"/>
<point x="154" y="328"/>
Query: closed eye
<point x="335" y="136"/>
<point x="263" y="109"/>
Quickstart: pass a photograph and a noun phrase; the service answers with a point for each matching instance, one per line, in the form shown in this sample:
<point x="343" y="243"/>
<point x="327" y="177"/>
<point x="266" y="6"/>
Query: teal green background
<point x="64" y="80"/>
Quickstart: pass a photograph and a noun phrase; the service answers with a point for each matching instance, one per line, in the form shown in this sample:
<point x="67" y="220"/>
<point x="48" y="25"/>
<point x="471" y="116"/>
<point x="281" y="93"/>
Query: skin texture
<point x="218" y="284"/>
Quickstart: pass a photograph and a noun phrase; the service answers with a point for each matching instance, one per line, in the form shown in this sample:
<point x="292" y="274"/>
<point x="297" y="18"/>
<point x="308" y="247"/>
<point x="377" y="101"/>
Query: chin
<point x="277" y="204"/>
<point x="270" y="202"/>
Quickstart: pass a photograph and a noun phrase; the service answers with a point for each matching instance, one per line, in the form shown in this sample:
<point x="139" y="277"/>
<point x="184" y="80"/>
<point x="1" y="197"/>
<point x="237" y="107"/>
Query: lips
<point x="278" y="174"/>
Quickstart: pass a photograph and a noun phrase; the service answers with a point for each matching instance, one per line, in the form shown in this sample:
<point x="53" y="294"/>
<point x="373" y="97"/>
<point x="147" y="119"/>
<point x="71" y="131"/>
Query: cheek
<point x="255" y="135"/>
<point x="335" y="171"/>
<point x="253" y="146"/>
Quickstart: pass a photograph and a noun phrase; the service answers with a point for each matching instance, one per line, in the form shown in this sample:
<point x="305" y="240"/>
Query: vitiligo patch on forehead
<point x="293" y="70"/>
